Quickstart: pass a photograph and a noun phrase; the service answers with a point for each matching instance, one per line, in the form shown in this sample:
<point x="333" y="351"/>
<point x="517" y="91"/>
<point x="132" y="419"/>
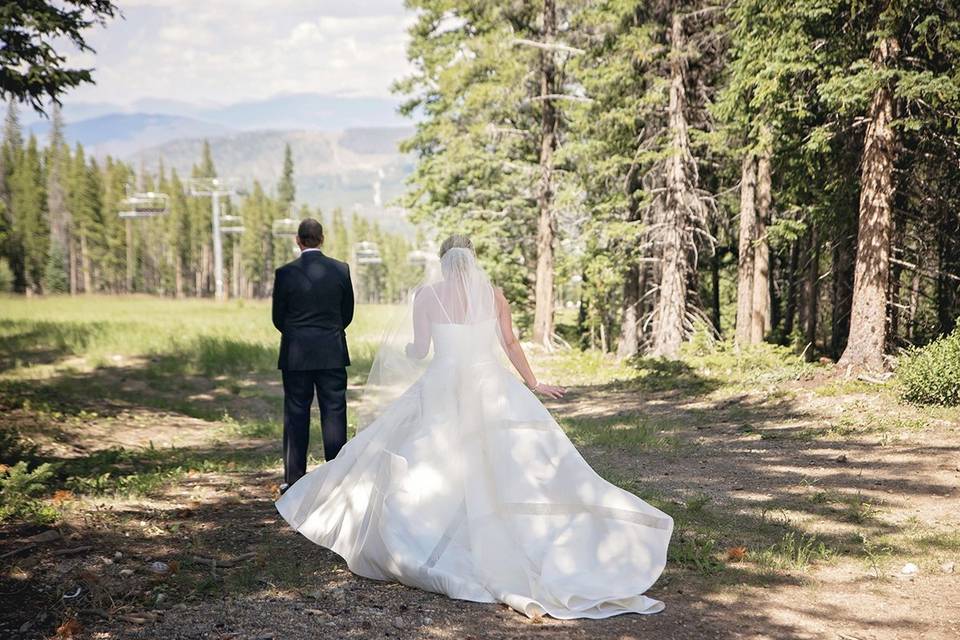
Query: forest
<point x="729" y="231"/>
<point x="750" y="170"/>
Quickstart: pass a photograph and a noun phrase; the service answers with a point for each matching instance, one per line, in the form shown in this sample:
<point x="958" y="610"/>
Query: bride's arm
<point x="515" y="352"/>
<point x="420" y="346"/>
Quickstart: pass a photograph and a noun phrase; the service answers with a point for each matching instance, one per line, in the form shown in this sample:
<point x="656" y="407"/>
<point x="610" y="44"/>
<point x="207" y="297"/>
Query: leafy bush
<point x="931" y="374"/>
<point x="20" y="491"/>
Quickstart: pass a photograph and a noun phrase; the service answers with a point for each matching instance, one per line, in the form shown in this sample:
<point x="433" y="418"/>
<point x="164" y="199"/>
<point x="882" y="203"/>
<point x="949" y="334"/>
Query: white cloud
<point x="222" y="51"/>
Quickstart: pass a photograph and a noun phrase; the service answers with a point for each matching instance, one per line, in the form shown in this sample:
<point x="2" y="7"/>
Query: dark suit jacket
<point x="312" y="305"/>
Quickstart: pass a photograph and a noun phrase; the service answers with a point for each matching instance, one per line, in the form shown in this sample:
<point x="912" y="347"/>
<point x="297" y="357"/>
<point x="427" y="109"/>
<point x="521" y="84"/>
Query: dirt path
<point x="874" y="483"/>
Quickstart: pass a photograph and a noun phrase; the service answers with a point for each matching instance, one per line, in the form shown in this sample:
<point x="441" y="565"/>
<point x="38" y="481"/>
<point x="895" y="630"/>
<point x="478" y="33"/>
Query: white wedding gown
<point x="466" y="486"/>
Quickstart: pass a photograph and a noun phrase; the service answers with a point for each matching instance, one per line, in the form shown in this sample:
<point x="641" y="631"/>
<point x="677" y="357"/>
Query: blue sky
<point x="213" y="52"/>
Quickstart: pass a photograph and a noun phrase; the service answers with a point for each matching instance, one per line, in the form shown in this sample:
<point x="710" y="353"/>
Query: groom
<point x="312" y="305"/>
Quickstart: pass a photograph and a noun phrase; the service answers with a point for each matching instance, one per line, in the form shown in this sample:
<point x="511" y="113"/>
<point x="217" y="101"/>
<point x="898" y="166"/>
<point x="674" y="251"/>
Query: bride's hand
<point x="549" y="390"/>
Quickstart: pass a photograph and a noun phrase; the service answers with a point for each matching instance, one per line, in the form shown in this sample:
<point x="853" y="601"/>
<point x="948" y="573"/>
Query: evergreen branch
<point x="548" y="46"/>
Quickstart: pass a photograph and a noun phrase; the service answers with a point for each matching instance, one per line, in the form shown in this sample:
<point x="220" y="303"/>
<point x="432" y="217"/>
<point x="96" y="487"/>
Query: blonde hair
<point x="456" y="241"/>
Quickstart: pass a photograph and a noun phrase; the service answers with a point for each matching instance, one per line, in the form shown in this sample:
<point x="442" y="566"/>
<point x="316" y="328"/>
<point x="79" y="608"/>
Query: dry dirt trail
<point x="742" y="469"/>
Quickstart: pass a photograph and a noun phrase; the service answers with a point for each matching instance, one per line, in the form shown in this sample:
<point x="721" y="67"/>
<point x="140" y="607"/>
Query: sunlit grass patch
<point x="939" y="541"/>
<point x="174" y="336"/>
<point x="571" y="367"/>
<point x="839" y="387"/>
<point x="695" y="552"/>
<point x="856" y="421"/>
<point x="633" y="433"/>
<point x="794" y="551"/>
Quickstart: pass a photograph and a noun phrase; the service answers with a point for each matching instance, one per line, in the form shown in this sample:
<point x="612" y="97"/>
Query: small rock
<point x="45" y="536"/>
<point x="909" y="569"/>
<point x="180" y="606"/>
<point x="161" y="598"/>
<point x="428" y="621"/>
<point x="160" y="568"/>
<point x="947" y="567"/>
<point x="117" y="555"/>
<point x="399" y="623"/>
<point x="126" y="573"/>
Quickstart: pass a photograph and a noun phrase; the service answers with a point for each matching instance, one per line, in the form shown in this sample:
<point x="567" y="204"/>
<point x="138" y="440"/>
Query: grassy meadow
<point x="143" y="430"/>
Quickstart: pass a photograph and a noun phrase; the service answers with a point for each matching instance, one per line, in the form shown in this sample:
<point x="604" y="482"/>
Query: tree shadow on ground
<point x="213" y="502"/>
<point x="270" y="580"/>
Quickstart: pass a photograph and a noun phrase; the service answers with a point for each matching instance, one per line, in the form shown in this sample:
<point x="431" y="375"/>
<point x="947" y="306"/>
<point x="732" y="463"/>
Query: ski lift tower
<point x="216" y="188"/>
<point x="142" y="204"/>
<point x="367" y="253"/>
<point x="421" y="258"/>
<point x="286" y="228"/>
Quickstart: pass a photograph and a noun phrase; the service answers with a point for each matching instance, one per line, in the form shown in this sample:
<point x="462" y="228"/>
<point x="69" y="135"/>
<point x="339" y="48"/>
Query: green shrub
<point x="20" y="492"/>
<point x="931" y="374"/>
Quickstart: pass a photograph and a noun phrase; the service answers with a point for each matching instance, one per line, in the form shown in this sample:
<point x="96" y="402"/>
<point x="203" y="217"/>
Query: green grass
<point x="792" y="552"/>
<point x="631" y="433"/>
<point x="173" y="336"/>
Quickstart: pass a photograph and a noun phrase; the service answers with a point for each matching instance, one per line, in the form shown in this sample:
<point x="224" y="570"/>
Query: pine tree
<point x="10" y="157"/>
<point x="339" y="244"/>
<point x="486" y="140"/>
<point x="30" y="226"/>
<point x="56" y="277"/>
<point x="286" y="190"/>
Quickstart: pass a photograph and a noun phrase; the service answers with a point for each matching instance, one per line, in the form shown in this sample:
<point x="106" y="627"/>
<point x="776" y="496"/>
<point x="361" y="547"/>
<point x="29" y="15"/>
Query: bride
<point x="463" y="484"/>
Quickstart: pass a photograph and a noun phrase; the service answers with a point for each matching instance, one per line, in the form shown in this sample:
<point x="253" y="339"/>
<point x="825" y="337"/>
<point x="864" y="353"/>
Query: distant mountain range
<point x="122" y="134"/>
<point x="355" y="169"/>
<point x="283" y="111"/>
<point x="344" y="149"/>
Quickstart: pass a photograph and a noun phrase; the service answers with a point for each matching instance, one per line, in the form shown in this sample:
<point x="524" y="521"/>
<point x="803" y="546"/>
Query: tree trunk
<point x="72" y="258"/>
<point x="629" y="342"/>
<point x="914" y="302"/>
<point x="177" y="274"/>
<point x="543" y="309"/>
<point x="669" y="327"/>
<point x="85" y="264"/>
<point x="130" y="255"/>
<point x="715" y="265"/>
<point x="948" y="254"/>
<point x="235" y="275"/>
<point x="760" y="324"/>
<point x="841" y="294"/>
<point x="745" y="259"/>
<point x="790" y="310"/>
<point x="811" y="294"/>
<point x="868" y="317"/>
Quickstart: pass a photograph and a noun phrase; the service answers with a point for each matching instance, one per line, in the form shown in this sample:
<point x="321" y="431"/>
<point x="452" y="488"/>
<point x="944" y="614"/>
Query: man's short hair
<point x="310" y="233"/>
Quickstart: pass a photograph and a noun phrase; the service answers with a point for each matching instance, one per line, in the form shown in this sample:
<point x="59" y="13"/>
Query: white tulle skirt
<point x="466" y="486"/>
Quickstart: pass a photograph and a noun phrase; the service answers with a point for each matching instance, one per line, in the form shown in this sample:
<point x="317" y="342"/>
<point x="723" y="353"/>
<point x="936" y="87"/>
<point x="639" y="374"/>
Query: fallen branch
<point x="881" y="379"/>
<point x="548" y="46"/>
<point x="95" y="612"/>
<point x="561" y="96"/>
<point x="212" y="562"/>
<point x="143" y="618"/>
<point x="69" y="552"/>
<point x="16" y="551"/>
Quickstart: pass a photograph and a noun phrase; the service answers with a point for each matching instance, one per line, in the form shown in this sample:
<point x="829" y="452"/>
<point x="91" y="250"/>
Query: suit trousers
<point x="298" y="390"/>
